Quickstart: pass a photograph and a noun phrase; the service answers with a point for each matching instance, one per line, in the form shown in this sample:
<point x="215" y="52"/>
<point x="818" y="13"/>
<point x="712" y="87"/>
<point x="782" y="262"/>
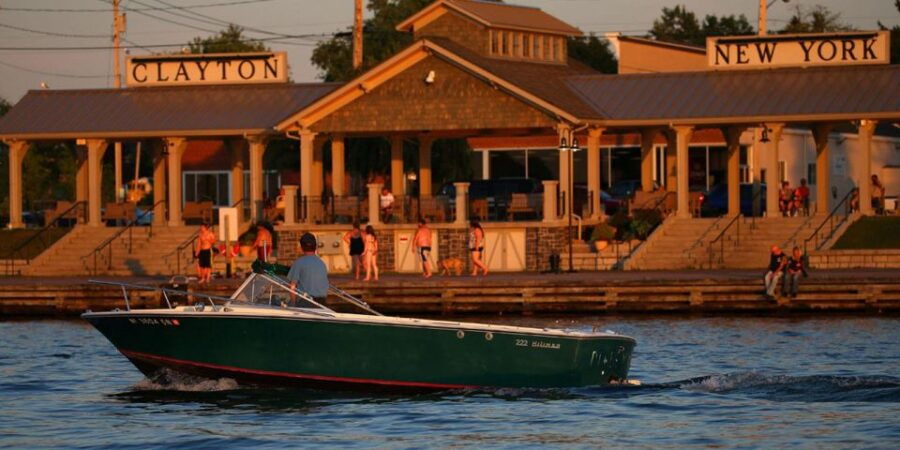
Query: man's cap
<point x="308" y="241"/>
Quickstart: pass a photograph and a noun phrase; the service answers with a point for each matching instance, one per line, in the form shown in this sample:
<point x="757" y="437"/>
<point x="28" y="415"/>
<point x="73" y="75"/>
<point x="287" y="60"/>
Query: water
<point x="738" y="381"/>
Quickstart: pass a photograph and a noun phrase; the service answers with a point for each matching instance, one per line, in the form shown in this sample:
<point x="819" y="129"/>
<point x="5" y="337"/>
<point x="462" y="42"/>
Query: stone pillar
<point x="671" y="161"/>
<point x="81" y="172"/>
<point x="257" y="147"/>
<point x="118" y="170"/>
<point x="550" y="198"/>
<point x="374" y="194"/>
<point x="462" y="202"/>
<point x="647" y="135"/>
<point x="306" y="165"/>
<point x="159" y="182"/>
<point x="175" y="148"/>
<point x="237" y="149"/>
<point x="733" y="168"/>
<point x="398" y="178"/>
<point x="17" y="151"/>
<point x="864" y="171"/>
<point x="593" y="171"/>
<point x="338" y="167"/>
<point x="425" y="166"/>
<point x="290" y="204"/>
<point x="485" y="164"/>
<point x="682" y="141"/>
<point x="773" y="182"/>
<point x="95" y="150"/>
<point x="823" y="168"/>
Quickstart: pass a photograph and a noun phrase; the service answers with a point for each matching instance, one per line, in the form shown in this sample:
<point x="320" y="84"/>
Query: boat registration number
<point x="537" y="344"/>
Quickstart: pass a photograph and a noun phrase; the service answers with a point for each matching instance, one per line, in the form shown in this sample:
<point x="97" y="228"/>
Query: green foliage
<point x="679" y="25"/>
<point x="593" y="52"/>
<point x="818" y="19"/>
<point x="5" y="106"/>
<point x="621" y="222"/>
<point x="895" y="37"/>
<point x="727" y="26"/>
<point x="603" y="232"/>
<point x="48" y="173"/>
<point x="248" y="237"/>
<point x="230" y="40"/>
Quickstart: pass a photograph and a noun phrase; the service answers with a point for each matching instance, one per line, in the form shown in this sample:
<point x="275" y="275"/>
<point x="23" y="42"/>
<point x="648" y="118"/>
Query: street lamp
<point x="570" y="188"/>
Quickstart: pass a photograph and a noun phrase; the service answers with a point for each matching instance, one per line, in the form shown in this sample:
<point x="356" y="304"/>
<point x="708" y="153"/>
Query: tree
<point x="5" y="106"/>
<point x="818" y="19"/>
<point x="230" y="40"/>
<point x="895" y="37"/>
<point x="679" y="25"/>
<point x="593" y="52"/>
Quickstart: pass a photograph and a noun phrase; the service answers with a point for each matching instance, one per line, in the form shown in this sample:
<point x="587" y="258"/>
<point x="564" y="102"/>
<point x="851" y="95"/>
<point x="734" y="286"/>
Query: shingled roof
<point x="498" y="15"/>
<point x="191" y="110"/>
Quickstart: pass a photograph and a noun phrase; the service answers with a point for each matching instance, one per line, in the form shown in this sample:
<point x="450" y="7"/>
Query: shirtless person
<point x="206" y="239"/>
<point x="422" y="246"/>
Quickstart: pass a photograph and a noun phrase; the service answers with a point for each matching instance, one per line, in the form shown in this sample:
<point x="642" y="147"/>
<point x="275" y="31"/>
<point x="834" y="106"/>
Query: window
<point x="495" y="42"/>
<point x="526" y="45"/>
<point x="517" y="44"/>
<point x="207" y="186"/>
<point x="811" y="173"/>
<point x="560" y="49"/>
<point x="548" y="48"/>
<point x="536" y="46"/>
<point x="507" y="45"/>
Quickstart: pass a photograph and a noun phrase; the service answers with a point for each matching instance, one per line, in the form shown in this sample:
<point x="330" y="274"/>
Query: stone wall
<point x="453" y="243"/>
<point x="540" y="242"/>
<point x="851" y="259"/>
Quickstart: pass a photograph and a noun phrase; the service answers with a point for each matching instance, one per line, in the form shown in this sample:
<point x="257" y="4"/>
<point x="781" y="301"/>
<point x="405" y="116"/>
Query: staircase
<point x="63" y="258"/>
<point x="752" y="251"/>
<point x="585" y="258"/>
<point x="679" y="245"/>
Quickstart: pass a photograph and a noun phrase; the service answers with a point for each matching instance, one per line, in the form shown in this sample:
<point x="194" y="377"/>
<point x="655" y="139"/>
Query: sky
<point x="91" y="24"/>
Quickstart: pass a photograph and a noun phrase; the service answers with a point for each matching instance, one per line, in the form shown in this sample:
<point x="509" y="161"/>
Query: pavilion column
<point x="159" y="182"/>
<point x="237" y="149"/>
<point x="733" y="168"/>
<point x="338" y="166"/>
<point x="374" y="212"/>
<point x="671" y="161"/>
<point x="318" y="167"/>
<point x="864" y="171"/>
<point x="551" y="208"/>
<point x="257" y="147"/>
<point x="398" y="185"/>
<point x="175" y="148"/>
<point x="307" y="139"/>
<point x="462" y="203"/>
<point x="593" y="170"/>
<point x="823" y="169"/>
<point x="647" y="135"/>
<point x="95" y="150"/>
<point x="290" y="204"/>
<point x="17" y="151"/>
<point x="773" y="181"/>
<point x="81" y="172"/>
<point x="118" y="169"/>
<point x="682" y="141"/>
<point x="425" y="166"/>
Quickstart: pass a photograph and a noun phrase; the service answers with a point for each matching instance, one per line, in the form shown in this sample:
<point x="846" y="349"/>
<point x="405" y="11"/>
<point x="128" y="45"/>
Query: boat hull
<point x="359" y="355"/>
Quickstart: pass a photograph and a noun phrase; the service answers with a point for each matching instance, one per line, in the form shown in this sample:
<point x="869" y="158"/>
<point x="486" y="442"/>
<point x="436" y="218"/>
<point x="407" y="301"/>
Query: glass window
<point x="517" y="44"/>
<point x="495" y="42"/>
<point x="262" y="290"/>
<point x="811" y="173"/>
<point x="526" y="45"/>
<point x="548" y="48"/>
<point x="536" y="46"/>
<point x="190" y="183"/>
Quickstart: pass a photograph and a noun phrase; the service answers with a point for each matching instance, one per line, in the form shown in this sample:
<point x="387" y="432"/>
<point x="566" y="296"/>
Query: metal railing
<point x="720" y="240"/>
<point x="830" y="223"/>
<point x="334" y="209"/>
<point x="108" y="243"/>
<point x="41" y="237"/>
<point x="179" y="251"/>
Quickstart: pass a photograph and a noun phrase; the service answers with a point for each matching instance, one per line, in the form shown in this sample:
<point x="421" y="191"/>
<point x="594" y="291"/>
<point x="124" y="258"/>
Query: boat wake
<point x="812" y="388"/>
<point x="170" y="380"/>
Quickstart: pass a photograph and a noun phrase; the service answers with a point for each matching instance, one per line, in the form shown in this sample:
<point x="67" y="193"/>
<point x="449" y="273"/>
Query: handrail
<point x="830" y="221"/>
<point x="9" y="257"/>
<point x="107" y="244"/>
<point x="189" y="242"/>
<point x="735" y="221"/>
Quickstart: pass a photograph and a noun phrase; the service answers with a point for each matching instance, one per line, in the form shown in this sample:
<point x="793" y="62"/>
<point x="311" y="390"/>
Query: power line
<point x="67" y="10"/>
<point x="53" y="33"/>
<point x="54" y="74"/>
<point x="148" y="46"/>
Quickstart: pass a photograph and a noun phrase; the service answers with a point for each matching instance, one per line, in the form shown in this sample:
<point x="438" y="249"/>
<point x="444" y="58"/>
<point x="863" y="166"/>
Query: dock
<point x="724" y="291"/>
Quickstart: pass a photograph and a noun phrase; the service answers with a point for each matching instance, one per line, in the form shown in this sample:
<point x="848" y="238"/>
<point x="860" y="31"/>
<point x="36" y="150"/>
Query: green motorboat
<point x="267" y="333"/>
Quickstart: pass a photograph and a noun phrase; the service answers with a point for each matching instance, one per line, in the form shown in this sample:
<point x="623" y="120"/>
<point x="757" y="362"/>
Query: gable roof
<point x="797" y="94"/>
<point x="497" y="15"/>
<point x="186" y="110"/>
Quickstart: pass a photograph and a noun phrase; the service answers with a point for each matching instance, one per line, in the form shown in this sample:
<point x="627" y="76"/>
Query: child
<point x="370" y="254"/>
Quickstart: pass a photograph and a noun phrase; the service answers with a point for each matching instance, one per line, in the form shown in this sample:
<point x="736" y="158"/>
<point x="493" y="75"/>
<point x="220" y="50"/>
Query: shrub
<point x="603" y="232"/>
<point x="621" y="223"/>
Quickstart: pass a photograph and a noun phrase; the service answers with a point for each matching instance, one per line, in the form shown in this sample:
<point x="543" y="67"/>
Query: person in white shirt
<point x="386" y="205"/>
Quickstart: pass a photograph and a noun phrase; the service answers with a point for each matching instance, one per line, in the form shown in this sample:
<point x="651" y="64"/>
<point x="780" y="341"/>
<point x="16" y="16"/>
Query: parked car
<point x="714" y="202"/>
<point x="624" y="189"/>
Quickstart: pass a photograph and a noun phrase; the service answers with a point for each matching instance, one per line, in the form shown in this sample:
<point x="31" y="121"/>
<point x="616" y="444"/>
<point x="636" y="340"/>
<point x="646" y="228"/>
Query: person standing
<point x="422" y="246"/>
<point x="786" y="199"/>
<point x="795" y="269"/>
<point x="801" y="198"/>
<point x="355" y="239"/>
<point x="370" y="254"/>
<point x="206" y="239"/>
<point x="877" y="191"/>
<point x="476" y="248"/>
<point x="309" y="273"/>
<point x="777" y="261"/>
<point x="263" y="243"/>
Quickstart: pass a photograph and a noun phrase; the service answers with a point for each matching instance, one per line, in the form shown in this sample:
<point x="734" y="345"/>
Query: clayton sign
<point x="762" y="52"/>
<point x="213" y="68"/>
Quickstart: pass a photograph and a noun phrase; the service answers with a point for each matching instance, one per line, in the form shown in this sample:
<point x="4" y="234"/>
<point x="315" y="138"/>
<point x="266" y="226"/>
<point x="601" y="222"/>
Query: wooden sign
<point x="831" y="49"/>
<point x="214" y="68"/>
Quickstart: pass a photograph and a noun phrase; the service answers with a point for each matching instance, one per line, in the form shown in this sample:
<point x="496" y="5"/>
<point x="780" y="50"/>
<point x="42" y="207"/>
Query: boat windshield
<point x="262" y="289"/>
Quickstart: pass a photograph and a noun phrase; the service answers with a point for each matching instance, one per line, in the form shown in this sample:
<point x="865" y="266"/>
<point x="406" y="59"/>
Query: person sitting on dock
<point x="777" y="261"/>
<point x="308" y="273"/>
<point x="794" y="269"/>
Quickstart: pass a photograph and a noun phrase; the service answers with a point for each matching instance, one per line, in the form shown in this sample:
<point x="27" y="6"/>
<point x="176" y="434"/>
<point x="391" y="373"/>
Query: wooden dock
<point x="874" y="292"/>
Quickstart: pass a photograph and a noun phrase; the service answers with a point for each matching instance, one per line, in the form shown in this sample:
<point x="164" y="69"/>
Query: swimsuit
<point x="423" y="252"/>
<point x="205" y="258"/>
<point x="357" y="246"/>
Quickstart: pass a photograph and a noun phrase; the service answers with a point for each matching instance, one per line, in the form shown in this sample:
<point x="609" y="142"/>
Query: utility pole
<point x="357" y="35"/>
<point x="118" y="30"/>
<point x="762" y="17"/>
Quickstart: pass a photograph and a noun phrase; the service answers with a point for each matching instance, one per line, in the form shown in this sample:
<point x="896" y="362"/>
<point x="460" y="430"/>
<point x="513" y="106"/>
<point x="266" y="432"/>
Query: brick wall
<point x="540" y="242"/>
<point x="850" y="259"/>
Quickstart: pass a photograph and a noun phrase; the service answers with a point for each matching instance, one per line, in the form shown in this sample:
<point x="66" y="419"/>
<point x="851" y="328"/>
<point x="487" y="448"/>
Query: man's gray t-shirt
<point x="311" y="275"/>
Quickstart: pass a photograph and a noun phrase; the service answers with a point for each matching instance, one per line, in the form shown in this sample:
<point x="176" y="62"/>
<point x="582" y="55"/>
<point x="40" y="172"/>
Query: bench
<point x="198" y="210"/>
<point x="63" y="210"/>
<point x="518" y="204"/>
<point x="120" y="211"/>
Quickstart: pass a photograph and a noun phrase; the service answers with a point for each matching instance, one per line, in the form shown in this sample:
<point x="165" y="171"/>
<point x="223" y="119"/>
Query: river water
<point x="732" y="381"/>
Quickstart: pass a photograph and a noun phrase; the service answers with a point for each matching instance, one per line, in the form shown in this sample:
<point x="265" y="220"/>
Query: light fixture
<point x="563" y="144"/>
<point x="765" y="136"/>
<point x="429" y="79"/>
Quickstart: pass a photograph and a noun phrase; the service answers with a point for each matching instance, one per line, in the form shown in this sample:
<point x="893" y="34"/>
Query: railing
<point x="17" y="254"/>
<point x="334" y="209"/>
<point x="720" y="239"/>
<point x="188" y="243"/>
<point x="832" y="222"/>
<point x="108" y="243"/>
